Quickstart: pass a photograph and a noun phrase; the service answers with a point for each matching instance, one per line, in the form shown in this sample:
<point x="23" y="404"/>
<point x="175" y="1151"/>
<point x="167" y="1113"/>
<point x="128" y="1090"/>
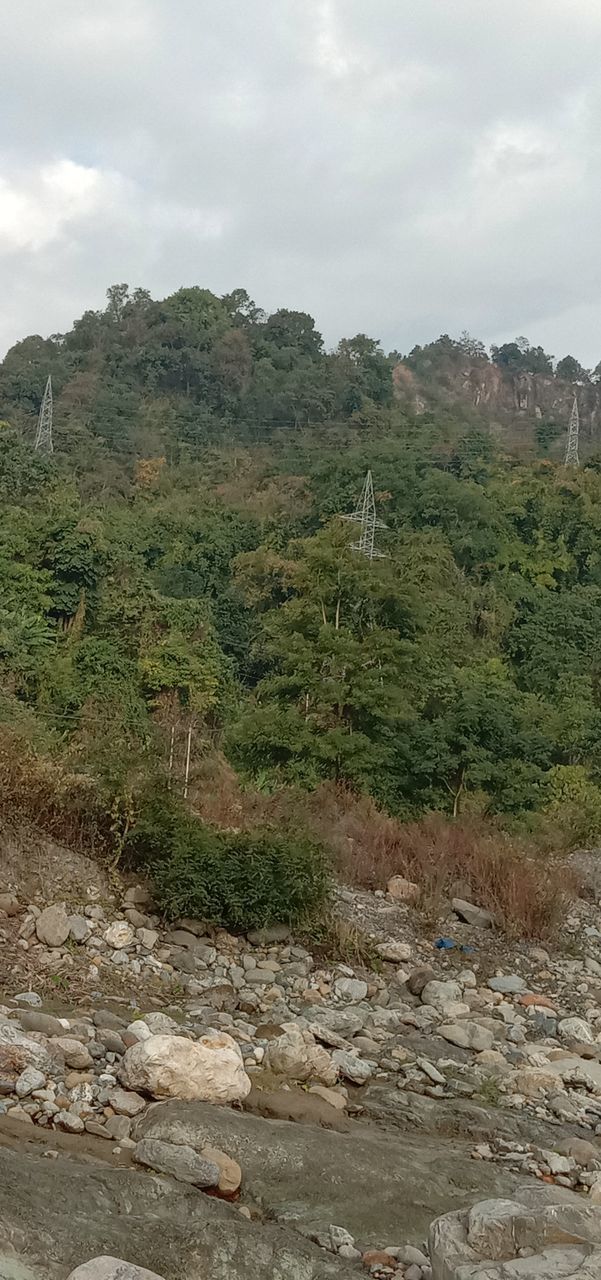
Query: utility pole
<point x="572" y="459"/>
<point x="43" y="439"/>
<point x="365" y="516"/>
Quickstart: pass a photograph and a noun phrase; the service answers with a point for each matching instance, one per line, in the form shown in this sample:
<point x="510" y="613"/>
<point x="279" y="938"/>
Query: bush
<point x="244" y="880"/>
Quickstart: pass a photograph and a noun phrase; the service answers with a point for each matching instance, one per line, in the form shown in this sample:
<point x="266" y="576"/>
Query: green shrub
<point x="244" y="880"/>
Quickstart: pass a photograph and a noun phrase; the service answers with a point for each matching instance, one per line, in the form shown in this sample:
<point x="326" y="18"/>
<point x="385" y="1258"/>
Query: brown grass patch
<point x="526" y="891"/>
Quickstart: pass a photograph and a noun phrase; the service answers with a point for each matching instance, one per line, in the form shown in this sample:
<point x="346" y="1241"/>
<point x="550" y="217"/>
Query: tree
<point x="571" y="370"/>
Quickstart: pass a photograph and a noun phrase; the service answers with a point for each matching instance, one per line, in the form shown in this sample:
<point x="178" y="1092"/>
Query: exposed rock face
<point x="168" y="1228"/>
<point x="542" y="1235"/>
<point x="210" y="1069"/>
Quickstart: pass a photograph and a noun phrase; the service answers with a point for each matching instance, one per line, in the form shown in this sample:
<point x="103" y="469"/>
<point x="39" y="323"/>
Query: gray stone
<point x="442" y="995"/>
<point x="79" y="928"/>
<point x="476" y="916"/>
<point x="125" y="1102"/>
<point x="31" y="1020"/>
<point x="29" y="1080"/>
<point x="269" y="936"/>
<point x="30" y="998"/>
<point x="351" y="1067"/>
<point x="18" y="1051"/>
<point x="119" y="1127"/>
<point x="350" y="989"/>
<point x="467" y="1035"/>
<point x="575" y="1029"/>
<point x="181" y="1162"/>
<point x="508" y="984"/>
<point x="52" y="926"/>
<point x="69" y="1121"/>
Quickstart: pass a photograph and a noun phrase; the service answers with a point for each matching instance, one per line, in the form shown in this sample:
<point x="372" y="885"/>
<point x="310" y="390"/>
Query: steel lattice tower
<point x="43" y="438"/>
<point x="365" y="515"/>
<point x="572" y="459"/>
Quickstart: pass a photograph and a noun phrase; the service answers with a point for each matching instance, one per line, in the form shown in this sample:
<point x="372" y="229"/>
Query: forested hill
<point x="179" y="561"/>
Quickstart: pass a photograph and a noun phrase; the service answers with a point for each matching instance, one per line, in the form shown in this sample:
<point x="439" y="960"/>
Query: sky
<point x="402" y="168"/>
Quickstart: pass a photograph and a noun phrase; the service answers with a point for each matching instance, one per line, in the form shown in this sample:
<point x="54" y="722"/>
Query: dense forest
<point x="177" y="575"/>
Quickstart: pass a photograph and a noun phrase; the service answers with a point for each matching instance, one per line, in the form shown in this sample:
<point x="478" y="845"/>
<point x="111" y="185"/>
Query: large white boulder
<point x="206" y="1070"/>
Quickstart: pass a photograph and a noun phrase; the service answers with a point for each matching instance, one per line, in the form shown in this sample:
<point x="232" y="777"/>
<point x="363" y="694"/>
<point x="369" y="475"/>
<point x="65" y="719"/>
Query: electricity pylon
<point x="365" y="515"/>
<point x="43" y="438"/>
<point x="572" y="459"/>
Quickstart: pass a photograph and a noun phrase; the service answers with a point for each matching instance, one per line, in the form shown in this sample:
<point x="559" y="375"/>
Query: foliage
<point x="176" y="573"/>
<point x="240" y="880"/>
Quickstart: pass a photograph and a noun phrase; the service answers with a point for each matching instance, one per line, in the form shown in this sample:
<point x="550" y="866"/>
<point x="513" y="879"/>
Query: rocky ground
<point x="305" y="1118"/>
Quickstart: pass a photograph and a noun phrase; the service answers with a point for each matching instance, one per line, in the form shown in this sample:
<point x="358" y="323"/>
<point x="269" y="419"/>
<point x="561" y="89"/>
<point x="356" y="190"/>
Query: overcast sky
<point x="398" y="167"/>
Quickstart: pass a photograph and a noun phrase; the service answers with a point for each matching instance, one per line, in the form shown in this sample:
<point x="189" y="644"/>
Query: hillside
<point x="176" y="573"/>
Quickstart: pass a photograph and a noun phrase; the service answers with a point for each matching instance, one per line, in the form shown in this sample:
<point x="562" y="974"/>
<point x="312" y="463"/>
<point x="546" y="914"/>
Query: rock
<point x="230" y="1173"/>
<point x="75" y="1210"/>
<point x="575" y="1029"/>
<point x="119" y="935"/>
<point x="535" y="1236"/>
<point x="70" y="1122"/>
<point x="31" y="1020"/>
<point x="533" y="1082"/>
<point x="52" y="926"/>
<point x="467" y="1035"/>
<point x="476" y="916"/>
<point x="419" y="978"/>
<point x="9" y="904"/>
<point x="403" y="890"/>
<point x="269" y="936"/>
<point x="583" y="1152"/>
<point x="331" y="1096"/>
<point x="295" y="1055"/>
<point x="74" y="1052"/>
<point x="351" y="1067"/>
<point x="181" y="1162"/>
<point x="148" y="938"/>
<point x="107" y="1268"/>
<point x="210" y="1069"/>
<point x="441" y="995"/>
<point x="509" y="984"/>
<point x="350" y="989"/>
<point x="17" y="1052"/>
<point x="79" y="928"/>
<point x="160" y="1024"/>
<point x="376" y="1258"/>
<point x="29" y="1080"/>
<point x="394" y="952"/>
<point x="126" y="1103"/>
<point x="30" y="998"/>
<point x="118" y="1128"/>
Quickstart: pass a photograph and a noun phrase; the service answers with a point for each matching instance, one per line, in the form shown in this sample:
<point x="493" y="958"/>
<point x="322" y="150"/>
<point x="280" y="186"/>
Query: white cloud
<point x="400" y="169"/>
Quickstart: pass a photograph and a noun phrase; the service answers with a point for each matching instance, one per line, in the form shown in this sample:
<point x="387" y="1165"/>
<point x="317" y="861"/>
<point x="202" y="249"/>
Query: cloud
<point x="399" y="169"/>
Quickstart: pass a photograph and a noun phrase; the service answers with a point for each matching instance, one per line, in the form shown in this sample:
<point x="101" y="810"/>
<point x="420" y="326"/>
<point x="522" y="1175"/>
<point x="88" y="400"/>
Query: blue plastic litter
<point x="444" y="944"/>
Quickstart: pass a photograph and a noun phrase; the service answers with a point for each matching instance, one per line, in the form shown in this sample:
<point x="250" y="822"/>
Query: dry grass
<point x="526" y="892"/>
<point x="37" y="789"/>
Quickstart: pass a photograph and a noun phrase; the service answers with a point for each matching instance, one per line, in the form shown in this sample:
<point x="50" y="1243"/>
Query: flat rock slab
<point x="378" y="1187"/>
<point x="153" y="1222"/>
